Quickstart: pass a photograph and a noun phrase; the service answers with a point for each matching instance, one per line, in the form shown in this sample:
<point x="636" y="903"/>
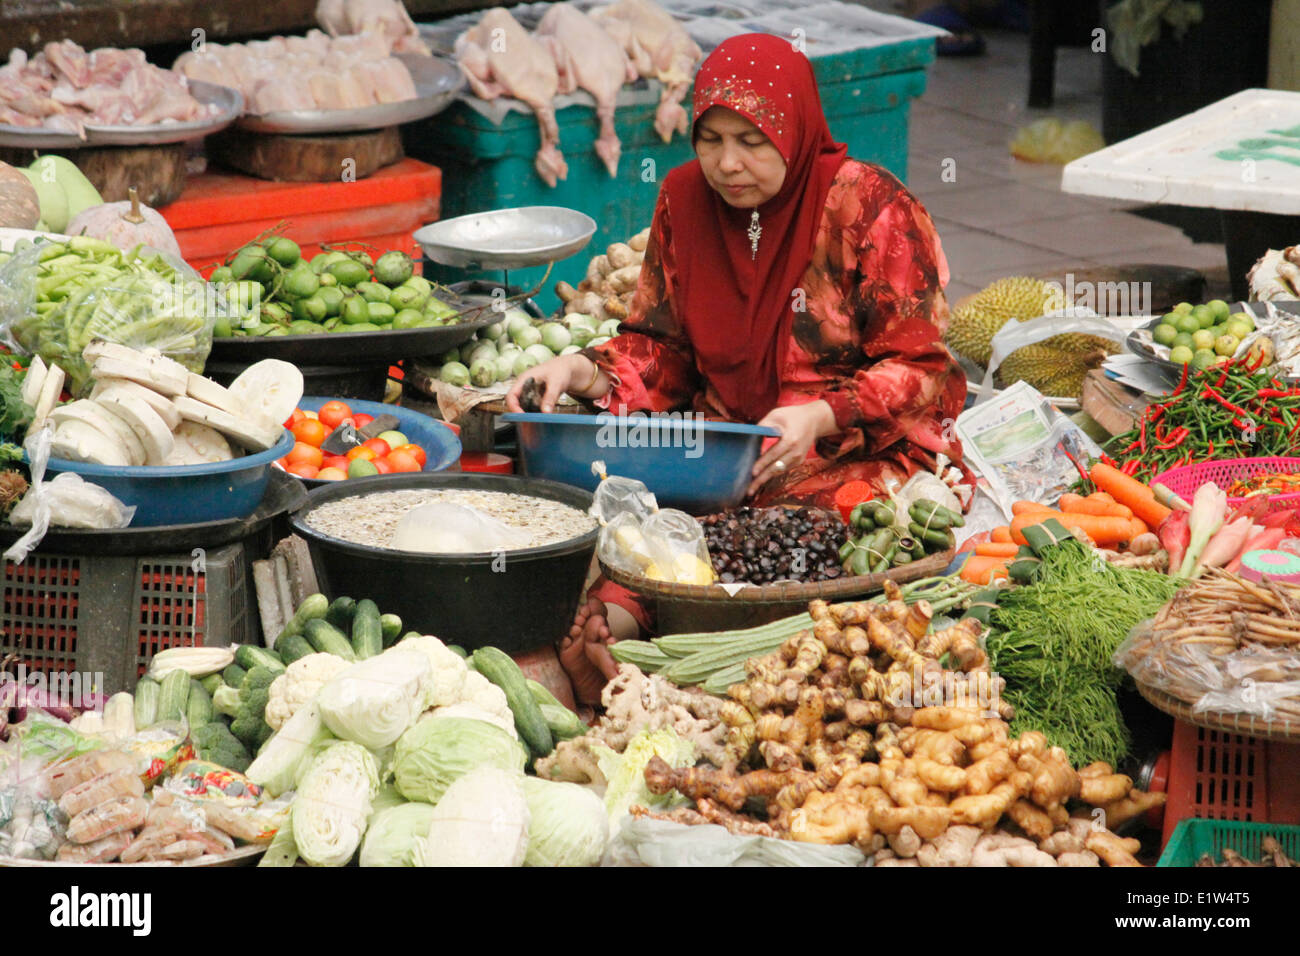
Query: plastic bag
<point x="643" y="841"/>
<point x="143" y="299"/>
<point x="639" y="539"/>
<point x="617" y="496"/>
<point x="1051" y="141"/>
<point x="446" y="528"/>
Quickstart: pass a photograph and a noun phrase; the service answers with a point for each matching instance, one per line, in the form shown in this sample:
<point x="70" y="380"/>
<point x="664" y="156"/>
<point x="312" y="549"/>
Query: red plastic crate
<point x="220" y="211"/>
<point x="1220" y="776"/>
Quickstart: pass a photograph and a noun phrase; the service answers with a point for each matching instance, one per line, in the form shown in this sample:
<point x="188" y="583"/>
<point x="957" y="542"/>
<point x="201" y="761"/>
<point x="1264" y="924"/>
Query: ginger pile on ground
<point x="860" y="735"/>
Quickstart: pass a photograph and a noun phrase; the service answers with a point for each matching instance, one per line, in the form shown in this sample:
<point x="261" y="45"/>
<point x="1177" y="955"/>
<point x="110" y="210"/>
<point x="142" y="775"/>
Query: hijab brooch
<point x="755" y="231"/>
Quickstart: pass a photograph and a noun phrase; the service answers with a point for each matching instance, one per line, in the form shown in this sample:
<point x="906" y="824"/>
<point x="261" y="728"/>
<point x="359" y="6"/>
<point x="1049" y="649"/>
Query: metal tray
<point x="240" y="856"/>
<point x="1143" y="349"/>
<point x="507" y="238"/>
<point x="437" y="82"/>
<point x="231" y="103"/>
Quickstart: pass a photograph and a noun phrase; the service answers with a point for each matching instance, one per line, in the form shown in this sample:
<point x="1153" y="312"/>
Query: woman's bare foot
<point x="586" y="638"/>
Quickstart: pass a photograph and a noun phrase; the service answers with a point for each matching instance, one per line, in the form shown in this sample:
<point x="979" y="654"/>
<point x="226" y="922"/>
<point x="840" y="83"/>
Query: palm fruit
<point x="973" y="325"/>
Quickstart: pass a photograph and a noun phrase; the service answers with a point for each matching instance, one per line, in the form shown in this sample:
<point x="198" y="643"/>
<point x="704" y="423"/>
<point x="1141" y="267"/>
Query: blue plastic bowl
<point x="695" y="466"/>
<point x="441" y="445"/>
<point x="185" y="494"/>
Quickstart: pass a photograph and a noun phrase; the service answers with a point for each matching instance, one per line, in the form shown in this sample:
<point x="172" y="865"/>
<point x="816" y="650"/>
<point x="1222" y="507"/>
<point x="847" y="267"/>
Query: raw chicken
<point x="660" y="48"/>
<point x="385" y="17"/>
<point x="589" y="58"/>
<point x="500" y="58"/>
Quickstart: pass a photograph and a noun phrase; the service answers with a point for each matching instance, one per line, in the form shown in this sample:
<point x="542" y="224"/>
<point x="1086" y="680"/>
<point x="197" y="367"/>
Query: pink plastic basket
<point x="1184" y="481"/>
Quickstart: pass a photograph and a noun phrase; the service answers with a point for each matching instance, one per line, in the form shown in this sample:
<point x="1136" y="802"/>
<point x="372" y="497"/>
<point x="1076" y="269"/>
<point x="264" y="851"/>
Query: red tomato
<point x="304" y="470"/>
<point x="303" y="453"/>
<point x="382" y="465"/>
<point x="403" y="461"/>
<point x="361" y="420"/>
<point x="332" y="413"/>
<point x="334" y="461"/>
<point x="295" y="418"/>
<point x="415" y="451"/>
<point x="361" y="451"/>
<point x="331" y="474"/>
<point x="310" y="432"/>
<point x="378" y="446"/>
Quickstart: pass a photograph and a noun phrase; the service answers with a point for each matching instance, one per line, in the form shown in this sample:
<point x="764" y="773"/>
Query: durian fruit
<point x="1054" y="370"/>
<point x="972" y="327"/>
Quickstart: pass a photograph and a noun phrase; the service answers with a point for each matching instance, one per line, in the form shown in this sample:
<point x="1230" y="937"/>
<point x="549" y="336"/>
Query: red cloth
<point x="726" y="294"/>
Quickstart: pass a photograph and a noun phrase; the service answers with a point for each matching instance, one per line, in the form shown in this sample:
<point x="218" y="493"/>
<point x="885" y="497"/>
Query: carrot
<point x="1102" y="496"/>
<point x="983" y="569"/>
<point x="1001" y="535"/>
<point x="997" y="549"/>
<point x="1022" y="507"/>
<point x="1074" y="504"/>
<point x="1102" y="530"/>
<point x="1131" y="492"/>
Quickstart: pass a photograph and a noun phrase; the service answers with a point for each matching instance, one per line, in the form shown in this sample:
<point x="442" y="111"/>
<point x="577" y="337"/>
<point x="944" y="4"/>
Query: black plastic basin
<point x="517" y="600"/>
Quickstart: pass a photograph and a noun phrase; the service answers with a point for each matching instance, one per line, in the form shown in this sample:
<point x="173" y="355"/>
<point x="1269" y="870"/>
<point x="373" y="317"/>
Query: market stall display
<point x="62" y="193"/>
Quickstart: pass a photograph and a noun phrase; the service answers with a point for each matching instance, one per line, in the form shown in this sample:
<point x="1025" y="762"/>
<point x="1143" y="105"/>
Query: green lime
<point x="360" y="468"/>
<point x="1221" y="309"/>
<point x="1203" y="339"/>
<point x="1183" y="307"/>
<point x="1204" y="315"/>
<point x="1237" y="328"/>
<point x="1203" y="358"/>
<point x="1189" y="324"/>
<point x="1226" y="344"/>
<point x="1244" y="317"/>
<point x="1183" y="340"/>
<point x="1164" y="334"/>
<point x="1181" y="355"/>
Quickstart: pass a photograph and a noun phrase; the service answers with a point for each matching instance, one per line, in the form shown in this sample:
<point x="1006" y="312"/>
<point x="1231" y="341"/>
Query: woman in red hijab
<point x="784" y="284"/>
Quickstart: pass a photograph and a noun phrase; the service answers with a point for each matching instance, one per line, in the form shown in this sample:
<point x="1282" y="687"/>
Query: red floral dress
<point x="866" y="338"/>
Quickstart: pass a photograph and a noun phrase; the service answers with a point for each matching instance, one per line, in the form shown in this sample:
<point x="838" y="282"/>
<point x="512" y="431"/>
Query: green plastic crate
<point x="866" y="96"/>
<point x="1193" y="838"/>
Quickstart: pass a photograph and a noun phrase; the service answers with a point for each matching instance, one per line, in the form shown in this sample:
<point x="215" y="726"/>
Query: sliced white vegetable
<point x="106" y="423"/>
<point x="152" y="431"/>
<point x="131" y="443"/>
<point x="218" y="396"/>
<point x="76" y="441"/>
<point x="269" y="389"/>
<point x="252" y="434"/>
<point x="156" y="372"/>
<point x="161" y="404"/>
<point x="198" y="445"/>
<point x="51" y="388"/>
<point x="34" y="379"/>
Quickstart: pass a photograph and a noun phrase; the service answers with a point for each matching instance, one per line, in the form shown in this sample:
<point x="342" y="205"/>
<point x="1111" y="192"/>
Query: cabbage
<point x="434" y="753"/>
<point x="474" y="712"/>
<point x="567" y="825"/>
<point x="481" y="821"/>
<point x="448" y="668"/>
<point x="333" y="803"/>
<point x="278" y="765"/>
<point x="373" y="702"/>
<point x="385" y="799"/>
<point x="394" y="834"/>
<point x="626" y="771"/>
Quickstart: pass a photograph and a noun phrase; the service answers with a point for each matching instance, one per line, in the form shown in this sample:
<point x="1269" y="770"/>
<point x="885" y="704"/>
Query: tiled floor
<point x="998" y="216"/>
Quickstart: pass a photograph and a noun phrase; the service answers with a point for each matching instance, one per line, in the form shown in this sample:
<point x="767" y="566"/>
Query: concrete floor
<point x="1003" y="216"/>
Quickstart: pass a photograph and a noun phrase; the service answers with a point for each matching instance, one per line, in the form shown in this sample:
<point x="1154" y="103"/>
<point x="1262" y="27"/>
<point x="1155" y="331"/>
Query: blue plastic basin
<point x="441" y="445"/>
<point x="695" y="466"/>
<point x="185" y="494"/>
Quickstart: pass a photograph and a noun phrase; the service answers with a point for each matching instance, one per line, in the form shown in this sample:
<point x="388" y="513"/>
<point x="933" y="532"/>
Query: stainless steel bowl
<point x="507" y="238"/>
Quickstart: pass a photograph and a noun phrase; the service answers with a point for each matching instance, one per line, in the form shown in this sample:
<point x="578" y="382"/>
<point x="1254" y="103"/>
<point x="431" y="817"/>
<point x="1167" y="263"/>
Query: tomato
<point x="310" y="431"/>
<point x="362" y="469"/>
<point x="402" y="461"/>
<point x="361" y="420"/>
<point x="362" y="452"/>
<point x="382" y="465"/>
<point x="378" y="446"/>
<point x="295" y="418"/>
<point x="331" y="474"/>
<point x="308" y="413"/>
<point x="415" y="451"/>
<point x="335" y="461"/>
<point x="303" y="453"/>
<point x="332" y="414"/>
<point x="304" y="470"/>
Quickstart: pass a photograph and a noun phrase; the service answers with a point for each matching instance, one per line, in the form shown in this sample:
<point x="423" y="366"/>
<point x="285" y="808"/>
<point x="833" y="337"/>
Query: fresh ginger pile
<point x="606" y="292"/>
<point x="842" y="755"/>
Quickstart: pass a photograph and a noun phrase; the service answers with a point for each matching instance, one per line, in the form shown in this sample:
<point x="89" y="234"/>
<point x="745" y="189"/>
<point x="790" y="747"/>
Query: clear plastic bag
<point x="642" y="841"/>
<point x="446" y="528"/>
<point x="617" y="496"/>
<point x="639" y="539"/>
<point x="145" y="300"/>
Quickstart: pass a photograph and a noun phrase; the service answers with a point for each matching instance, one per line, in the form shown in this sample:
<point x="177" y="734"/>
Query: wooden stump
<point x="157" y="172"/>
<point x="307" y="159"/>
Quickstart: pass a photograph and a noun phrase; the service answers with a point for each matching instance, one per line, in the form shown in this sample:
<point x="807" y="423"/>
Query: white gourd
<point x="126" y="224"/>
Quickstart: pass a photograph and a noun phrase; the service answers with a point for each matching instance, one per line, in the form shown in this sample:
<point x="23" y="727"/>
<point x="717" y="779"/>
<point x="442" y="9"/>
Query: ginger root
<point x="1114" y="850"/>
<point x="1003" y="849"/>
<point x="953" y="847"/>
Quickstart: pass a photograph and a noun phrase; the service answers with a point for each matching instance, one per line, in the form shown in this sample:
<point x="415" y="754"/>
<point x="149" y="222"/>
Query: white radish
<point x="210" y="393"/>
<point x="125" y="433"/>
<point x="198" y="445"/>
<point x="104" y="422"/>
<point x="34" y="379"/>
<point x="268" y="390"/>
<point x="51" y="388"/>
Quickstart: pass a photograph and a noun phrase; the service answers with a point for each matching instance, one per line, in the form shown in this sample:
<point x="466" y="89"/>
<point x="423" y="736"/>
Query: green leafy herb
<point x="14" y="412"/>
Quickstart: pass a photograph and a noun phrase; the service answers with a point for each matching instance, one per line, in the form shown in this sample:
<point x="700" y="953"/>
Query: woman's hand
<point x="565" y="373"/>
<point x="800" y="427"/>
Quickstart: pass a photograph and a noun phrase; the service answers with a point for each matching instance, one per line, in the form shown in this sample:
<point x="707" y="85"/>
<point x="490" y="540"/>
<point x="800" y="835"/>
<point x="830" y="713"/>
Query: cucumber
<point x="173" y="695"/>
<point x="328" y="639"/>
<point x="211" y="683"/>
<point x="391" y="625"/>
<point x="147" y="692"/>
<point x="233" y="676"/>
<point x="563" y="723"/>
<point x="541" y="694"/>
<point x="294" y="647"/>
<point x="367" y="632"/>
<point x="249" y="656"/>
<point x="312" y="607"/>
<point x="340" y="611"/>
<point x="496" y="666"/>
<point x="198" y="708"/>
<point x="455" y="649"/>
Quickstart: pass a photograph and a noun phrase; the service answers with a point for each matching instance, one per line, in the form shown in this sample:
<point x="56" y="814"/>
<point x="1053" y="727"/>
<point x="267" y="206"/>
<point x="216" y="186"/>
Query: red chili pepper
<point x="1142" y="435"/>
<point x="1182" y="381"/>
<point x="1108" y="460"/>
<point x="1259" y="360"/>
<point x="1210" y="451"/>
<point x="1235" y="409"/>
<point x="1130" y="467"/>
<point x="1223" y="377"/>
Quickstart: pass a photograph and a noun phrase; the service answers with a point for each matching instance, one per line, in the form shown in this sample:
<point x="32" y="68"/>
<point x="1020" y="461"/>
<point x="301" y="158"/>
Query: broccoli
<point x="250" y="727"/>
<point x="226" y="701"/>
<point x="215" y="743"/>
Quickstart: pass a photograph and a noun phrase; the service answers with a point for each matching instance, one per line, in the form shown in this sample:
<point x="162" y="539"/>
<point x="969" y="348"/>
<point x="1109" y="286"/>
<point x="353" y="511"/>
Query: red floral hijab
<point x="738" y="307"/>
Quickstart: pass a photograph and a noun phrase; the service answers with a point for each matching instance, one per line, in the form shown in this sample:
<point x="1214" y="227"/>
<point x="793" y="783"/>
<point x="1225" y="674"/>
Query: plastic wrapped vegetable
<point x="333" y="803"/>
<point x="567" y="825"/>
<point x="375" y="701"/>
<point x="394" y="835"/>
<point x="278" y="765"/>
<point x="482" y="820"/>
<point x="436" y="752"/>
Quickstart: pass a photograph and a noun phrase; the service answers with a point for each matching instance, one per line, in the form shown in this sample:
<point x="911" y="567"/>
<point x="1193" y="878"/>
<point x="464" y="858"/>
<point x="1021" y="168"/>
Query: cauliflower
<point x="480" y="692"/>
<point x="449" y="669"/>
<point x="299" y="684"/>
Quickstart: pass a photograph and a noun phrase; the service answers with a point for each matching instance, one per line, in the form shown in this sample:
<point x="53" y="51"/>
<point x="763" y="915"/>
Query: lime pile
<point x="1202" y="335"/>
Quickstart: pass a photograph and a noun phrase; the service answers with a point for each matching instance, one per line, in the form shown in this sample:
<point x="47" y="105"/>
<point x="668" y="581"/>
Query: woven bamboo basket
<point x="1250" y="725"/>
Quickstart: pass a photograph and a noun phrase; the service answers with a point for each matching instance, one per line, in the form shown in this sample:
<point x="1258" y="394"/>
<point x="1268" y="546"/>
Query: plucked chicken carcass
<point x="500" y="58"/>
<point x="587" y="57"/>
<point x="387" y="17"/>
<point x="660" y="48"/>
